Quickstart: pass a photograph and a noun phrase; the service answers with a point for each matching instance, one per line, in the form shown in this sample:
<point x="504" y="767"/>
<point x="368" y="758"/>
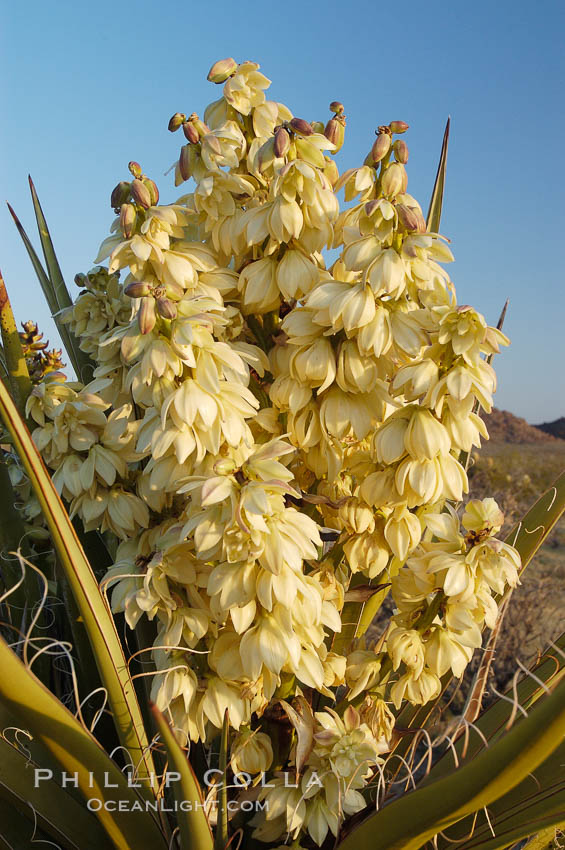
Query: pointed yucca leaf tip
<point x="32" y="188"/>
<point x="13" y="214"/>
<point x="503" y="314"/>
<point x="433" y="219"/>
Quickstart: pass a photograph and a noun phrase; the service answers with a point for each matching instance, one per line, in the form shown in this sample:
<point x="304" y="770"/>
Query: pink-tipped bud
<point x="398" y="126"/>
<point x="128" y="217"/>
<point x="380" y="147"/>
<point x="166" y="308"/>
<point x="300" y="126"/>
<point x="282" y="142"/>
<point x="135" y="168"/>
<point x="221" y="70"/>
<point x="184" y="162"/>
<point x="141" y="194"/>
<point x="137" y="289"/>
<point x="395" y="180"/>
<point x="400" y="149"/>
<point x="190" y="132"/>
<point x="146" y="316"/>
<point x="334" y="132"/>
<point x="336" y="106"/>
<point x="176" y="121"/>
<point x="199" y="124"/>
<point x="120" y="194"/>
<point x="153" y="190"/>
<point x="407" y="218"/>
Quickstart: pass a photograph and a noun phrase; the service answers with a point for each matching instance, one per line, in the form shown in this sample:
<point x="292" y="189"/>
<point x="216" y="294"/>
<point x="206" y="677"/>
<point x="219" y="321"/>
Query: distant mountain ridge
<point x="504" y="427"/>
<point x="556" y="428"/>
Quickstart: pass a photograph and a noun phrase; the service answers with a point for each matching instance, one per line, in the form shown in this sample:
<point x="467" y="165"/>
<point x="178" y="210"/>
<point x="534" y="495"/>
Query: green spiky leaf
<point x="77" y="752"/>
<point x="54" y="293"/>
<point x="93" y="608"/>
<point x="56" y="813"/>
<point x="407" y="823"/>
<point x="194" y="829"/>
<point x="433" y="219"/>
<point x="60" y="291"/>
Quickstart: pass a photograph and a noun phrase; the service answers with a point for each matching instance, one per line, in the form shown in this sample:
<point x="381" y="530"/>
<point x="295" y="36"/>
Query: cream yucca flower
<point x="261" y="426"/>
<point x="342" y="759"/>
<point x="245" y="89"/>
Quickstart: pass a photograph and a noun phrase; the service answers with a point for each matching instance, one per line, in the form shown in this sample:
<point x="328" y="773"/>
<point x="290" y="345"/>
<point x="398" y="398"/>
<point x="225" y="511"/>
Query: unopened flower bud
<point x="318" y="126"/>
<point x="153" y="190"/>
<point x="302" y="127"/>
<point x="225" y="466"/>
<point x="190" y="132"/>
<point x="199" y="124"/>
<point x="381" y="147"/>
<point x="400" y="149"/>
<point x="398" y="126"/>
<point x="80" y="280"/>
<point x="166" y="308"/>
<point x="137" y="289"/>
<point x="184" y="162"/>
<point x="135" y="168"/>
<point x="335" y="132"/>
<point x="282" y="142"/>
<point x="141" y="194"/>
<point x="395" y="179"/>
<point x="407" y="217"/>
<point x="176" y="121"/>
<point x="120" y="194"/>
<point x="128" y="217"/>
<point x="336" y="107"/>
<point x="146" y="316"/>
<point x="221" y="70"/>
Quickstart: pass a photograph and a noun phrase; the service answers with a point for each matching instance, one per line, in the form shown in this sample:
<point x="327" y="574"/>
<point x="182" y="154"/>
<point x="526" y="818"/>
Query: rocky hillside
<point x="556" y="428"/>
<point x="504" y="427"/>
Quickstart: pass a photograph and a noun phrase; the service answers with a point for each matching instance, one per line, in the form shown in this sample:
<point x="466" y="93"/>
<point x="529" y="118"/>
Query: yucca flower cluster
<point x="263" y="432"/>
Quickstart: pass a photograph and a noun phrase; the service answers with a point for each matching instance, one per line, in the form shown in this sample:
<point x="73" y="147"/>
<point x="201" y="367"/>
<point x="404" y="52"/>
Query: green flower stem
<point x="259" y="393"/>
<point x="258" y="332"/>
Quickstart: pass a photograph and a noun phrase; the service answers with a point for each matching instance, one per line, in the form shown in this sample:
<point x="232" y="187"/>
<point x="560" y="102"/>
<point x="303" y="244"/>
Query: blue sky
<point x="87" y="87"/>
